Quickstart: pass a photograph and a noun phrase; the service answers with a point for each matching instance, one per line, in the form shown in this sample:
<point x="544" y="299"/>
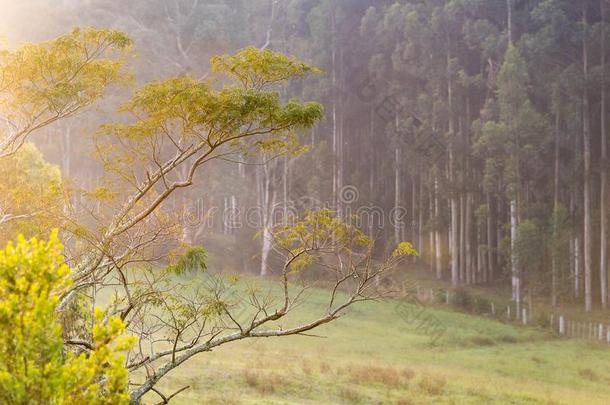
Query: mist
<point x="361" y="201"/>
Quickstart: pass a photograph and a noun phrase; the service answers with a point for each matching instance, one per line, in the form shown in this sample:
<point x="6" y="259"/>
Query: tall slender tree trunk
<point x="268" y="198"/>
<point x="554" y="264"/>
<point x="468" y="240"/>
<point x="334" y="96"/>
<point x="462" y="239"/>
<point x="413" y="225"/>
<point x="572" y="253"/>
<point x="603" y="264"/>
<point x="431" y="244"/>
<point x="454" y="241"/>
<point x="420" y="222"/>
<point x="491" y="237"/>
<point x="397" y="193"/>
<point x="577" y="266"/>
<point x="285" y="188"/>
<point x="437" y="231"/>
<point x="588" y="248"/>
<point x="340" y="142"/>
<point x="516" y="281"/>
<point x="471" y="259"/>
<point x="509" y="28"/>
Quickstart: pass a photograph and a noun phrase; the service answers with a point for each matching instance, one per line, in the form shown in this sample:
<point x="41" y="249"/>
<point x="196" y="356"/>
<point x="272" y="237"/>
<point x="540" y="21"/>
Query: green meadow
<point x="374" y="355"/>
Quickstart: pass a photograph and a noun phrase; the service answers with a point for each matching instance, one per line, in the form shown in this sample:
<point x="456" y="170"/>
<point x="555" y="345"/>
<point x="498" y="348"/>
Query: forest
<point x="194" y="194"/>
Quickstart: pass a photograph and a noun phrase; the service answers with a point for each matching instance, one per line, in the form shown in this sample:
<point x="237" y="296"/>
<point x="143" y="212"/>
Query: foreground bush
<point x="35" y="366"/>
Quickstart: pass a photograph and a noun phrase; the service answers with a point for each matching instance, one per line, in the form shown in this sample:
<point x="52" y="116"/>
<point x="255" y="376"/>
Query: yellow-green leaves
<point x="405" y="249"/>
<point x="318" y="231"/>
<point x="34" y="367"/>
<point x="256" y="68"/>
<point x="190" y="118"/>
<point x="30" y="193"/>
<point x="188" y="259"/>
<point x="40" y="83"/>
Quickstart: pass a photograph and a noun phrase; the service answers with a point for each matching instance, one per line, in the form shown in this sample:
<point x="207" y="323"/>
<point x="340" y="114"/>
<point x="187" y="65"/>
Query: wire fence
<point x="557" y="323"/>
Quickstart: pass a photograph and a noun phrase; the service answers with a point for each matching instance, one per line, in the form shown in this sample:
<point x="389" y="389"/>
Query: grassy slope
<point x="372" y="355"/>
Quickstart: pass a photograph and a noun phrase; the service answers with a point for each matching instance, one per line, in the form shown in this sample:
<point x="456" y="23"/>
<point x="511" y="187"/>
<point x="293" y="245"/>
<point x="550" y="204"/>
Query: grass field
<point x="372" y="355"/>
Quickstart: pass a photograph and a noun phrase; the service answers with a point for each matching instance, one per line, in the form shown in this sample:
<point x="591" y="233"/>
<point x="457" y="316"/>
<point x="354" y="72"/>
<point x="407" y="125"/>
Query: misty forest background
<point x="480" y="124"/>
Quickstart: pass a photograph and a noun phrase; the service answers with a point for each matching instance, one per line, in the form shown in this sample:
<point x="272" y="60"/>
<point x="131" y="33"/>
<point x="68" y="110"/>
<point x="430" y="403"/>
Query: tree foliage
<point x="42" y="83"/>
<point x="36" y="367"/>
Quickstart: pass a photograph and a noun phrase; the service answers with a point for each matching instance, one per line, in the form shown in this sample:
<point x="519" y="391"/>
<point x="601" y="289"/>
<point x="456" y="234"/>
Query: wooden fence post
<point x="562" y="326"/>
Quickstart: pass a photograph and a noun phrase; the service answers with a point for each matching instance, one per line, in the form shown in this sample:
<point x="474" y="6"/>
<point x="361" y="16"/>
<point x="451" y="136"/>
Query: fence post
<point x="562" y="325"/>
<point x="493" y="309"/>
<point x="508" y="312"/>
<point x="524" y="315"/>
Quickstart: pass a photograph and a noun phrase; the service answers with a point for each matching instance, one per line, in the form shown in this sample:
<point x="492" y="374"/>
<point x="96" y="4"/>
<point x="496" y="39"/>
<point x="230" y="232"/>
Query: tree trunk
<point x="267" y="205"/>
<point x="516" y="281"/>
<point x="491" y="237"/>
<point x="468" y="240"/>
<point x="340" y="142"/>
<point x="432" y="221"/>
<point x="334" y="96"/>
<point x="420" y="222"/>
<point x="413" y="217"/>
<point x="587" y="237"/>
<point x="437" y="232"/>
<point x="285" y="189"/>
<point x="397" y="192"/>
<point x="554" y="264"/>
<point x="577" y="267"/>
<point x="509" y="7"/>
<point x="455" y="271"/>
<point x="603" y="265"/>
<point x="462" y="233"/>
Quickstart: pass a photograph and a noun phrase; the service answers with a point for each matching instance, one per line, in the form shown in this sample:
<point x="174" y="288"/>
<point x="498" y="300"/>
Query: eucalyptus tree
<point x="513" y="139"/>
<point x="78" y="68"/>
<point x="553" y="50"/>
<point x="40" y="85"/>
